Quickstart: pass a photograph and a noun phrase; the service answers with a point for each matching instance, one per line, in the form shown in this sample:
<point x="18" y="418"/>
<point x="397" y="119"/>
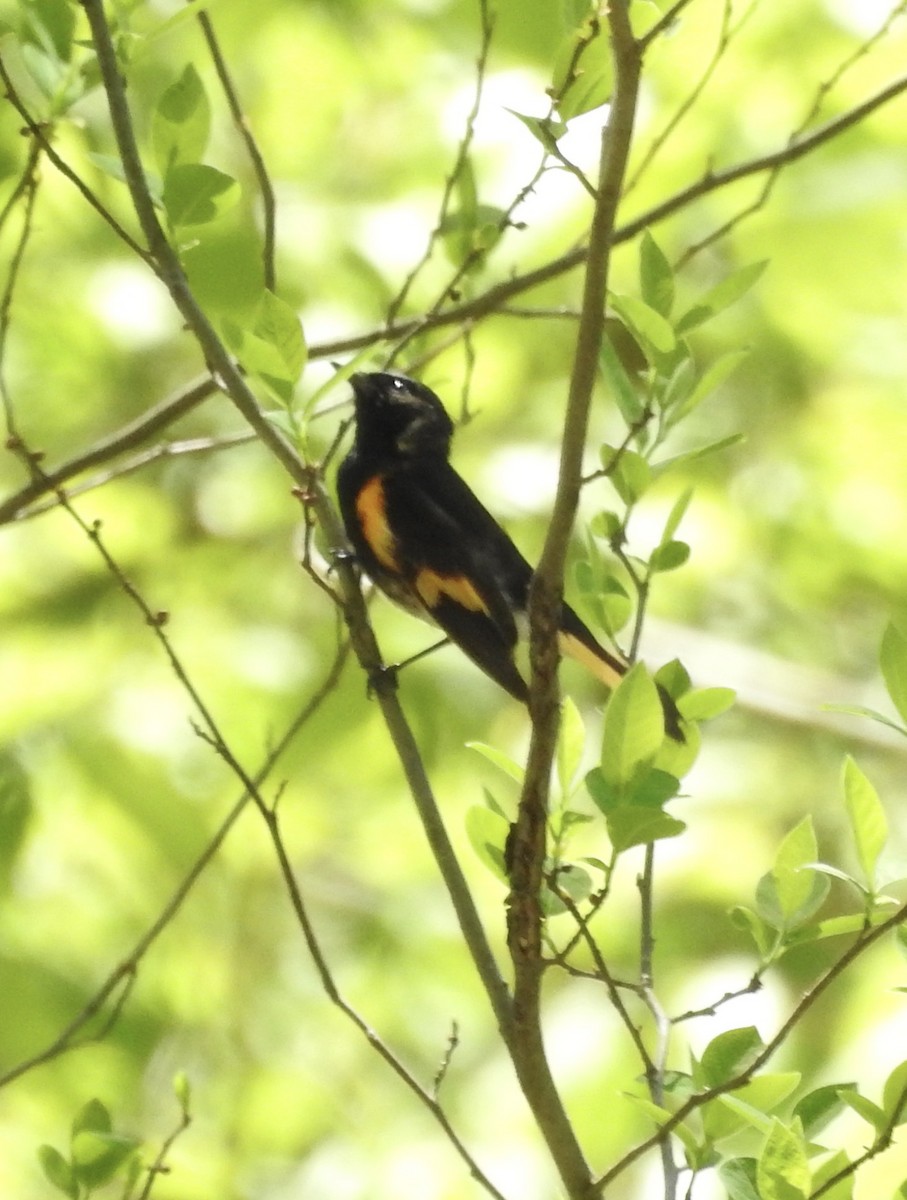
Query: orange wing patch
<point x="372" y="514"/>
<point x="431" y="587"/>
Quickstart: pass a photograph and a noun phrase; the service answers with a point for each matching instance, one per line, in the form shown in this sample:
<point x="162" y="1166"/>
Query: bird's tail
<point x="577" y="642"/>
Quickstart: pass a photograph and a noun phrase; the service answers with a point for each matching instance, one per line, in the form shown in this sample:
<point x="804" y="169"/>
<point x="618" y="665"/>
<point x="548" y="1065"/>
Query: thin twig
<point x="364" y="645"/>
<point x="124" y="973"/>
<point x="427" y="1098"/>
<point x="166" y="450"/>
<point x="663" y="24"/>
<point x="603" y="975"/>
<point x="880" y="1143"/>
<point x="725" y="34"/>
<point x="487" y="29"/>
<point x="27" y="190"/>
<point x="129" y="437"/>
<point x="655" y="1078"/>
<point x="158" y="1167"/>
<point x="491" y="301"/>
<point x="859" y="946"/>
<point x="822" y="91"/>
<point x="38" y="132"/>
<point x="252" y="149"/>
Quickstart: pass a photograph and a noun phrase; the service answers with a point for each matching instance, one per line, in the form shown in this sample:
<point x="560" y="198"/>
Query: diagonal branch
<point x="363" y="640"/>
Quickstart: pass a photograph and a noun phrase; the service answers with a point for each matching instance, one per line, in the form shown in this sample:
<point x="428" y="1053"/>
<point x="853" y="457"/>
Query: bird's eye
<point x="397" y="384"/>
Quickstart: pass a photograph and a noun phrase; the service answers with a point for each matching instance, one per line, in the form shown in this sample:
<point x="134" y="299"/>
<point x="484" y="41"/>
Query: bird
<point x="427" y="542"/>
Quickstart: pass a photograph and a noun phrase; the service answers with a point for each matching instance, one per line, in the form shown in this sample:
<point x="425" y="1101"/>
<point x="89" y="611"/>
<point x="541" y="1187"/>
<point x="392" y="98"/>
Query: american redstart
<point x="429" y="544"/>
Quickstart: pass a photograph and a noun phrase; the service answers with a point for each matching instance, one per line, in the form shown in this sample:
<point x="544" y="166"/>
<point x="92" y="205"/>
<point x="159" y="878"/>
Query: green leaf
<point x="748" y="1105"/>
<point x="783" y="1169"/>
<point x="272" y="347"/>
<point x="730" y="1053"/>
<point x="645" y="323"/>
<point x="591" y="82"/>
<point x="181" y="122"/>
<point x="630" y="826"/>
<point x="49" y="24"/>
<point x="668" y="464"/>
<point x="545" y="130"/>
<point x="676" y="515"/>
<point x="739" y="1177"/>
<point x="674" y="678"/>
<point x="860" y="710"/>
<point x="656" y="279"/>
<point x="702" y="704"/>
<point x="629" y="473"/>
<point x="867" y="819"/>
<point x="491" y="802"/>
<point x="832" y="927"/>
<point x="570" y="743"/>
<point x="669" y="556"/>
<point x="865" y="1108"/>
<point x="469" y="235"/>
<point x="618" y="381"/>
<point x="573" y="882"/>
<point x="96" y="1157"/>
<point x="649" y="789"/>
<point x="672" y="391"/>
<point x="820" y="1106"/>
<point x="843" y="1189"/>
<point x="111" y="165"/>
<point x="93" y="1116"/>
<point x="606" y="524"/>
<point x="501" y="760"/>
<point x="893" y="661"/>
<point x="721" y="296"/>
<point x="196" y="194"/>
<point x="712" y="379"/>
<point x="791" y="892"/>
<point x="894" y="1096"/>
<point x="487" y="832"/>
<point x="758" y="929"/>
<point x="634" y="726"/>
<point x="58" y="1171"/>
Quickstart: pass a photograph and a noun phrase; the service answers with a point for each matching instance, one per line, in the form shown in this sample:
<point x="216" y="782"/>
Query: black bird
<point x="428" y="543"/>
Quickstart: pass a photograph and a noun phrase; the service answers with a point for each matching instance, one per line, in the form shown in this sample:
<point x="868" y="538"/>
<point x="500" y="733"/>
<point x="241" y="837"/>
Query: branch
<point x="363" y="640"/>
<point x="26" y="189"/>
<point x="38" y="132"/>
<point x="882" y="1142"/>
<point x="255" y="155"/>
<point x="663" y="24"/>
<point x="427" y="1098"/>
<point x="203" y="445"/>
<point x="853" y="952"/>
<point x="487" y="24"/>
<point x="528" y="838"/>
<point x="491" y="301"/>
<point x="124" y="973"/>
<point x="129" y="437"/>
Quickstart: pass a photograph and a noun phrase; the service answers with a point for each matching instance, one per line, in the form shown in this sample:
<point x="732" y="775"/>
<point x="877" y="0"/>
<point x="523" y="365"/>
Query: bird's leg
<point x="392" y="670"/>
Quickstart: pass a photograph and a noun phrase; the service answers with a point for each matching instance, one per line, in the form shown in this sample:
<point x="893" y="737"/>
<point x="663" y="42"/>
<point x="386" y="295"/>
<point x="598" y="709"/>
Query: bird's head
<point x="398" y="416"/>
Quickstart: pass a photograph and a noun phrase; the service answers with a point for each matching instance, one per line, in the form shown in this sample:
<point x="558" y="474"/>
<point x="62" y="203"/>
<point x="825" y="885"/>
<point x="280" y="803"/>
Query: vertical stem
<point x="528" y="841"/>
<point x="655" y="1076"/>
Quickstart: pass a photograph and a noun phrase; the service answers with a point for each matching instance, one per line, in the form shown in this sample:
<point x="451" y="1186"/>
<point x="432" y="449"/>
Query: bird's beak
<point x="357" y="382"/>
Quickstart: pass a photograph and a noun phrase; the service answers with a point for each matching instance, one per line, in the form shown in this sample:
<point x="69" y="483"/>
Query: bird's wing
<point x="454" y="555"/>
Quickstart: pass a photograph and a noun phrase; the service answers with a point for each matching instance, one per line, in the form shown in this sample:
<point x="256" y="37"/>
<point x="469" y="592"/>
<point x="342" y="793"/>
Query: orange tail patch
<point x="572" y="647"/>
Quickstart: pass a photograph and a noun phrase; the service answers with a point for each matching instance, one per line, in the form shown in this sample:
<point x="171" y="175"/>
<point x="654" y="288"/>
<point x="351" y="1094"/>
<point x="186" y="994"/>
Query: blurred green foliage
<point x="107" y="794"/>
